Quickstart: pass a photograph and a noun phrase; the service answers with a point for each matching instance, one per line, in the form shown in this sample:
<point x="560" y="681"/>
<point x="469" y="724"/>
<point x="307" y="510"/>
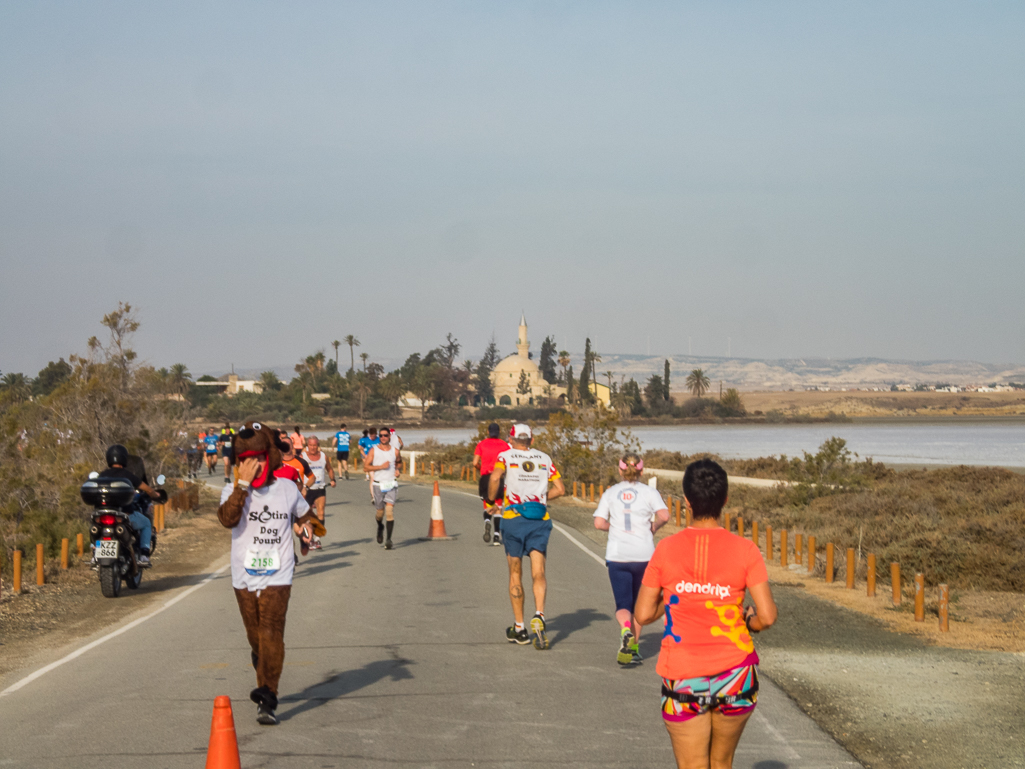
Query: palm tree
<point x="698" y="383"/>
<point x="179" y="378"/>
<point x="16" y="386"/>
<point x="364" y="357"/>
<point x="564" y="361"/>
<point x="353" y="342"/>
<point x="269" y="382"/>
<point x="609" y="375"/>
<point x="336" y="344"/>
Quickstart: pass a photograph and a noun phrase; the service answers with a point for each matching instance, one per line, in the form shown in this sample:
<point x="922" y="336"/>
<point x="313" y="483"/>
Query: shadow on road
<point x="566" y="625"/>
<point x="349" y="543"/>
<point x="339" y="685"/>
<point x="321" y="563"/>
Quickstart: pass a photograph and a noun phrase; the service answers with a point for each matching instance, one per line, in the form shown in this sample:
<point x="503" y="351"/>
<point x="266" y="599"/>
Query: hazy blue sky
<point x="808" y="179"/>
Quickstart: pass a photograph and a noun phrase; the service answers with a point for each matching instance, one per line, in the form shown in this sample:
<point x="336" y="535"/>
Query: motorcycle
<point x="116" y="547"/>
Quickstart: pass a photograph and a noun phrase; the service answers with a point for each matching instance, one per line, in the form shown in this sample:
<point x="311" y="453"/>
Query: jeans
<point x="142" y="524"/>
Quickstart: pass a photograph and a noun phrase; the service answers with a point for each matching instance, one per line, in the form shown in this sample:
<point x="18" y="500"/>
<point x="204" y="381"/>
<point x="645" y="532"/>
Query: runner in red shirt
<point x="484" y="457"/>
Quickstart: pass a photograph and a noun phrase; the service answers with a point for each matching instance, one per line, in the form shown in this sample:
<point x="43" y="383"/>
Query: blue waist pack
<point x="532" y="511"/>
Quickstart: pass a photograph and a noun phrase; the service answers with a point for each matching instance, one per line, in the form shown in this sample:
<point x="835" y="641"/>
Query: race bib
<point x="387" y="485"/>
<point x="260" y="563"/>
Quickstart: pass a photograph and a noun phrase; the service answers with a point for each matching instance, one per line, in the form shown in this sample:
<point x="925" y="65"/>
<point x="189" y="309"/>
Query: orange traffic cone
<point x="437" y="530"/>
<point x="223" y="750"/>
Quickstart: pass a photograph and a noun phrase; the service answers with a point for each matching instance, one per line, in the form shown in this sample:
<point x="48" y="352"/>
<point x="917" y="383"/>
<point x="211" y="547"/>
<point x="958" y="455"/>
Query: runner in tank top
<point x="631" y="512"/>
<point x="484" y="456"/>
<point x="384" y="463"/>
<point x="322" y="470"/>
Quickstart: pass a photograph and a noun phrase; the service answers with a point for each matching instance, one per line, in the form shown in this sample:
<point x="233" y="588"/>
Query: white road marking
<point x="791" y="754"/>
<point x="89" y="646"/>
<point x="578" y="543"/>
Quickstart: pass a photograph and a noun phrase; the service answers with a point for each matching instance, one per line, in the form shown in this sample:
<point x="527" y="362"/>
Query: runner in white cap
<point x="526" y="526"/>
<point x="384" y="463"/>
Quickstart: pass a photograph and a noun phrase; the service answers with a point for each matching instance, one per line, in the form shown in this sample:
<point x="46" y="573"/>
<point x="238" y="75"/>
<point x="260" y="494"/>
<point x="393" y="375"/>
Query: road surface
<point x="394" y="658"/>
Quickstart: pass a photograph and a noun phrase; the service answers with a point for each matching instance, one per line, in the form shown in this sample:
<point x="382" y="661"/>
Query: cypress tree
<point x="665" y="381"/>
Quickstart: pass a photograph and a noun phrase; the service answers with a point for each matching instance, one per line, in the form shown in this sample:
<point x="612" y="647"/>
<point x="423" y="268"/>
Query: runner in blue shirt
<point x="341" y="446"/>
<point x="211" y="442"/>
<point x="372" y="440"/>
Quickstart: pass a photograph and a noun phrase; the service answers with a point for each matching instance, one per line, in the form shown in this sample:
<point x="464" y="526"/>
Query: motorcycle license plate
<point x="106" y="548"/>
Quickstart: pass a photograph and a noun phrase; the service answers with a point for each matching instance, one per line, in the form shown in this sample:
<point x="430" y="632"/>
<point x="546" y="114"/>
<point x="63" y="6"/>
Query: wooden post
<point x="829" y="561"/>
<point x="871" y="575"/>
<point x="39" y="564"/>
<point x="592" y="492"/>
<point x="798" y="547"/>
<point x="16" y="576"/>
<point x="784" y="559"/>
<point x="678" y="505"/>
<point x="811" y="554"/>
<point x="740" y="526"/>
<point x="919" y="598"/>
<point x="850" y="568"/>
<point x="80" y="541"/>
<point x="64" y="553"/>
<point x="574" y="489"/>
<point x="768" y="544"/>
<point x="944" y="609"/>
<point x="754" y="532"/>
<point x="432" y="469"/>
<point x="726" y="521"/>
<point x="895" y="582"/>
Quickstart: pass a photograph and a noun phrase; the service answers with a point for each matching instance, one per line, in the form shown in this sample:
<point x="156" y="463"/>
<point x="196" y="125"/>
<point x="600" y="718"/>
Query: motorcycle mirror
<point x="160" y="480"/>
<point x="93" y="475"/>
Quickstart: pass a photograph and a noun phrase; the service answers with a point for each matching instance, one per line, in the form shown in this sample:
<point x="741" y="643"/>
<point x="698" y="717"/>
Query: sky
<point x="766" y="180"/>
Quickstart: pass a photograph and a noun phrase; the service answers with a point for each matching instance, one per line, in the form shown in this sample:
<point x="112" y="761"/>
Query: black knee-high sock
<point x="496" y="520"/>
<point x="389" y="525"/>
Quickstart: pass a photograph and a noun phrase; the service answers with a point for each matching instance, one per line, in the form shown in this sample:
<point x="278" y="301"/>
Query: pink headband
<point x="623" y="465"/>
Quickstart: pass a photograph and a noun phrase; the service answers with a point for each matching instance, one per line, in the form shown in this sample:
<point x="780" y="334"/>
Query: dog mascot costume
<point x="262" y="514"/>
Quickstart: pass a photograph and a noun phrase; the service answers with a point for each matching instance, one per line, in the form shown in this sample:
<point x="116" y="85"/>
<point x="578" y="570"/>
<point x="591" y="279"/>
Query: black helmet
<point x="117" y="455"/>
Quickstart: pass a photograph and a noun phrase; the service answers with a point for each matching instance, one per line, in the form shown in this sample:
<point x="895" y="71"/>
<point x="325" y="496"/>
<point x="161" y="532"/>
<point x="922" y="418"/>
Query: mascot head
<point x="260" y="441"/>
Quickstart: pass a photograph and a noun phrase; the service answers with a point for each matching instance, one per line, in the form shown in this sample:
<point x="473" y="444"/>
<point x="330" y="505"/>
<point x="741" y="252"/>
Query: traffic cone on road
<point x="437" y="530"/>
<point x="222" y="752"/>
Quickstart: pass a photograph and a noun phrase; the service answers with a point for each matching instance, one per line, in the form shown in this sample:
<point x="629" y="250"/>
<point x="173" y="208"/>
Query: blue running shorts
<point x="521" y="535"/>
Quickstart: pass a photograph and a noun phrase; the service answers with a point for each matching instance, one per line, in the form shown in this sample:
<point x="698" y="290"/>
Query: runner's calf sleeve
<point x="390" y="525"/>
<point x="497" y="520"/>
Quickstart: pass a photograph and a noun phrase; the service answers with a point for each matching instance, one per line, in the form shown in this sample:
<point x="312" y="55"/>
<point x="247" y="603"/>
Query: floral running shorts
<point x="733" y="692"/>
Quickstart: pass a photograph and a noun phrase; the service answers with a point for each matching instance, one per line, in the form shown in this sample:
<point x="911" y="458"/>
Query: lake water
<point x="892" y="443"/>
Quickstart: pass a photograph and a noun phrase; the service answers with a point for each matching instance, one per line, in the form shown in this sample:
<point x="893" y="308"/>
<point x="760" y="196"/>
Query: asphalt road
<point x="394" y="658"/>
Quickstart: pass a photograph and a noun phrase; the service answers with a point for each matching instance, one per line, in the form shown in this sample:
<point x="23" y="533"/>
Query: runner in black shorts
<point x="484" y="456"/>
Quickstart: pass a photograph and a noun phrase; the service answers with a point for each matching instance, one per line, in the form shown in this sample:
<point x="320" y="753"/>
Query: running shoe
<point x="537" y="629"/>
<point x="315" y="544"/>
<point x="265" y="716"/>
<point x="625" y="655"/>
<point x="487" y="530"/>
<point x="387" y="544"/>
<point x="636" y="652"/>
<point x="514" y="636"/>
<point x="380" y="532"/>
<point x="496" y="539"/>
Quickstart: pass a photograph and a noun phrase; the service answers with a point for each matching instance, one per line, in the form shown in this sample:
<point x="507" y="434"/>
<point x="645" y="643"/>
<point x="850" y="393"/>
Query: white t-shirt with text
<point x="262" y="553"/>
<point x="630" y="508"/>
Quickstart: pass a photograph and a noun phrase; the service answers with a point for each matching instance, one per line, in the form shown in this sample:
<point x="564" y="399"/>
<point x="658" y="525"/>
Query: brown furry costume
<point x="263" y="612"/>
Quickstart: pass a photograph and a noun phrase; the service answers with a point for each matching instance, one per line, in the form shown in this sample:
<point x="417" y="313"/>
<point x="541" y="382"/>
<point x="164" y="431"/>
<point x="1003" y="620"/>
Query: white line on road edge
<point x="578" y="543"/>
<point x="79" y="652"/>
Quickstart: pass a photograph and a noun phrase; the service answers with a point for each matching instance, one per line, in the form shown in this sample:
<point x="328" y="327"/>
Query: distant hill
<point x="784" y="374"/>
<point x="778" y="374"/>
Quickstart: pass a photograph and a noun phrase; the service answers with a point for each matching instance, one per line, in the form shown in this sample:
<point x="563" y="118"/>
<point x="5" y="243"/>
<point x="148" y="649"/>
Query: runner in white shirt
<point x="316" y="495"/>
<point x="384" y="463"/>
<point x="631" y="512"/>
<point x="262" y="513"/>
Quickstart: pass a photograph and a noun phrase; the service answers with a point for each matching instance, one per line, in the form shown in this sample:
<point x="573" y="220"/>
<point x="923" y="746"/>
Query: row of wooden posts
<point x="186" y="498"/>
<point x="682" y="515"/>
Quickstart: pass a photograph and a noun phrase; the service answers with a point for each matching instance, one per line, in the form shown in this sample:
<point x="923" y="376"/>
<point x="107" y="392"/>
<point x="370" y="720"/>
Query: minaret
<point x="522" y="345"/>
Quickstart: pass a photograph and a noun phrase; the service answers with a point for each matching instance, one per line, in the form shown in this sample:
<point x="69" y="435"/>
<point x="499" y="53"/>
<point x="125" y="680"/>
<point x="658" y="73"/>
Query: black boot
<point x="387" y="541"/>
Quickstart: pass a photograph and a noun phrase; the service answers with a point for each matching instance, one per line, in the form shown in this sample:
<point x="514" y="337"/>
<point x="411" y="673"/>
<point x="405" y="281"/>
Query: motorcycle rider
<point x="117" y="467"/>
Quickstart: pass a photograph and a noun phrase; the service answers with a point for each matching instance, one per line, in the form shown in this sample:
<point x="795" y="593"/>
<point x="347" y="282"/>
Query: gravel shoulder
<point x="895" y="699"/>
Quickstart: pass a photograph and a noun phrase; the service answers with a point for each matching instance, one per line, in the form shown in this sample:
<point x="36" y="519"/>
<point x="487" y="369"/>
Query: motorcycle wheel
<point x="110" y="581"/>
<point x="134" y="582"/>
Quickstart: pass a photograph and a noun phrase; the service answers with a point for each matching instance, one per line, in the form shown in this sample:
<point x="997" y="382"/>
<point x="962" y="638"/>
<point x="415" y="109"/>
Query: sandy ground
<point x="885" y="404"/>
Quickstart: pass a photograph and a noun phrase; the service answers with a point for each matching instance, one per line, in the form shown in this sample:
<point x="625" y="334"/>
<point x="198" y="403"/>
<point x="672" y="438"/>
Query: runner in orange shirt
<point x="708" y="664"/>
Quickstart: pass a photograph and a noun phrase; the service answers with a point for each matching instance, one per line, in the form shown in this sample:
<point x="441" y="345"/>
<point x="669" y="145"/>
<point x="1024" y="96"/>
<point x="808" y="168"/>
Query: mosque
<point x="519" y="372"/>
